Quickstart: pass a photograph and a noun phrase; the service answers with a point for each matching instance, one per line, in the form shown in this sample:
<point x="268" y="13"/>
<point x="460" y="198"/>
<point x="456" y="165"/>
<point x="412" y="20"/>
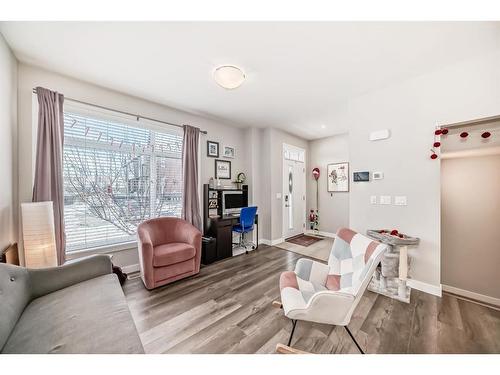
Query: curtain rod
<point x="124" y="113"/>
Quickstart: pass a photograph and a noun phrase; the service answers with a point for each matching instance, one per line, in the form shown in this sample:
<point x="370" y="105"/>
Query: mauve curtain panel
<point x="190" y="198"/>
<point x="48" y="184"/>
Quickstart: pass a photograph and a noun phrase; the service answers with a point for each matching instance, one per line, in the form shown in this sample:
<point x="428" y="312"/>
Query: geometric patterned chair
<point x="329" y="293"/>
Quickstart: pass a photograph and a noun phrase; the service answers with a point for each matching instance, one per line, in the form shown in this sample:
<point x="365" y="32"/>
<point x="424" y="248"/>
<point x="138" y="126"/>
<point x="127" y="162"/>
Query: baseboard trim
<point x="271" y="242"/>
<point x="472" y="295"/>
<point x="131" y="268"/>
<point x="277" y="241"/>
<point x="435" y="290"/>
<point x="321" y="233"/>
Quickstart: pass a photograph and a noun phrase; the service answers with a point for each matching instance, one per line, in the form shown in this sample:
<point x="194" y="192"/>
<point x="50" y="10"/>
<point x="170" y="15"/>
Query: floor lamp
<point x="39" y="235"/>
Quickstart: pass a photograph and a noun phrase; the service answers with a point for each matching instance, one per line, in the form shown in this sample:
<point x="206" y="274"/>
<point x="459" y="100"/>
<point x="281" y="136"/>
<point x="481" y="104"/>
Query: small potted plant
<point x="314" y="220"/>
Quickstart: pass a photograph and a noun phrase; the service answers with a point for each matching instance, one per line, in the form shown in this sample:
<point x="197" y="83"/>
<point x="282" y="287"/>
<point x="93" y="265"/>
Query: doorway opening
<point x="470" y="210"/>
<point x="294" y="190"/>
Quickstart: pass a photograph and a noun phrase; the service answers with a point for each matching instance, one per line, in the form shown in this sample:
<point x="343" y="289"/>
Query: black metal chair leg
<point x="294" y="322"/>
<point x="353" y="339"/>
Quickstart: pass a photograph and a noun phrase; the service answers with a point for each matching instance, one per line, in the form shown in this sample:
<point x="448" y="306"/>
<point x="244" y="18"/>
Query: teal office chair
<point x="246" y="224"/>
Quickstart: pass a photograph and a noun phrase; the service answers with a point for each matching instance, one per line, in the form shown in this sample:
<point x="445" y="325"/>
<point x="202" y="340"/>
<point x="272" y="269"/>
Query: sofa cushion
<point x="172" y="253"/>
<point x="174" y="271"/>
<point x="89" y="317"/>
<point x="15" y="294"/>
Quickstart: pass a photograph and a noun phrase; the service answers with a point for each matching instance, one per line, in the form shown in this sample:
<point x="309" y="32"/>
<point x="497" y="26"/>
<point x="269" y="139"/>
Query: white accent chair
<point x="328" y="294"/>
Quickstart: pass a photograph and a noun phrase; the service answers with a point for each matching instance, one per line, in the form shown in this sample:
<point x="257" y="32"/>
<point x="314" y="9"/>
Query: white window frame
<point x="98" y="113"/>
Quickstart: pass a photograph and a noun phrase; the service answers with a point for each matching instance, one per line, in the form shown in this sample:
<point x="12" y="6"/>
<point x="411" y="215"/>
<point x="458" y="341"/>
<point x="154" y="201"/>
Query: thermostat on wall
<point x="361" y="176"/>
<point x="378" y="175"/>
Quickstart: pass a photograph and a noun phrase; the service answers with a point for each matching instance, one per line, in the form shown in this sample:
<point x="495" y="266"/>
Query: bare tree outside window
<point x="114" y="182"/>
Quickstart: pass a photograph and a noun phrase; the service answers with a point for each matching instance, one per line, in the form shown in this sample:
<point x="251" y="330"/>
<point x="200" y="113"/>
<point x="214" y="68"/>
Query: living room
<point x="261" y="187"/>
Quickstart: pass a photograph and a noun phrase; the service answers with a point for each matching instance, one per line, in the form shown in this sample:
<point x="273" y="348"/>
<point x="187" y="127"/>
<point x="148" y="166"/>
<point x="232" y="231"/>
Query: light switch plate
<point x="373" y="199"/>
<point x="378" y="175"/>
<point x="400" y="200"/>
<point x="385" y="199"/>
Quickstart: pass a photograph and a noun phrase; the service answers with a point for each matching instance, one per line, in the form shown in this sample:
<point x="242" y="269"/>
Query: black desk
<point x="221" y="228"/>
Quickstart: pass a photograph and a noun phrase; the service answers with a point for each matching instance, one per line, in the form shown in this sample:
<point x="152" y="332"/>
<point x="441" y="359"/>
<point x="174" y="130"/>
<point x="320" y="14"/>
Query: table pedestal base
<point x="393" y="288"/>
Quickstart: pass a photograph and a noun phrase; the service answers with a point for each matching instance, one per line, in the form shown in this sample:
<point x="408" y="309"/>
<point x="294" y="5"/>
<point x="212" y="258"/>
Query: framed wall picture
<point x="222" y="169"/>
<point x="338" y="177"/>
<point x="229" y="152"/>
<point x="212" y="149"/>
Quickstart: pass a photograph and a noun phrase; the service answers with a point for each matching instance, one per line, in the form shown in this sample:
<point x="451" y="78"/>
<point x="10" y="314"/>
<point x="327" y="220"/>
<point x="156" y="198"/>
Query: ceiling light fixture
<point x="229" y="76"/>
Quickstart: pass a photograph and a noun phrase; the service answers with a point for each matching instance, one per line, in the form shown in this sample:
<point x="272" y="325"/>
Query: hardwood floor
<point x="227" y="309"/>
<point x="319" y="250"/>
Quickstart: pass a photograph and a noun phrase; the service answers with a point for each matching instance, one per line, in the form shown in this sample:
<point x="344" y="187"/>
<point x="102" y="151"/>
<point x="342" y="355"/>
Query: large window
<point x="118" y="172"/>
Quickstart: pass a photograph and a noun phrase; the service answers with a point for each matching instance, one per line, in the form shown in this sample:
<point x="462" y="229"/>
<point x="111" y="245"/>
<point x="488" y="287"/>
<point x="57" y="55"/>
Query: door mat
<point x="303" y="240"/>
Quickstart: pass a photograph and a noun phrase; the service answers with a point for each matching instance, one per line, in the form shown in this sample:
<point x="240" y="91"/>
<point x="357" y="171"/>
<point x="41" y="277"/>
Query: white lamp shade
<point x="39" y="235"/>
<point x="229" y="76"/>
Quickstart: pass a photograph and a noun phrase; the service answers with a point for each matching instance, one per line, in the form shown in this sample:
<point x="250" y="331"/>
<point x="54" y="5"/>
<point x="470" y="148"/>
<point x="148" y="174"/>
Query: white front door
<point x="294" y="212"/>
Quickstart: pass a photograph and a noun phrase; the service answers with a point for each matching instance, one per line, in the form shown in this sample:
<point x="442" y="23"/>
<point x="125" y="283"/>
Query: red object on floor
<point x="486" y="135"/>
<point x="394" y="232"/>
<point x="444" y="131"/>
<point x="438" y="132"/>
<point x="437" y="144"/>
<point x="464" y="134"/>
<point x="434" y="156"/>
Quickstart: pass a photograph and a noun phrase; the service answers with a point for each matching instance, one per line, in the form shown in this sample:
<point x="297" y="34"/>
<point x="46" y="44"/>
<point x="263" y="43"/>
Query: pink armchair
<point x="169" y="250"/>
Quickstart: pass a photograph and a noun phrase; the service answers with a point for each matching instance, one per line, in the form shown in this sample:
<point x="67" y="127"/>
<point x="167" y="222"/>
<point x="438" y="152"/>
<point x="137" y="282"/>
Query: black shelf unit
<point x="219" y="227"/>
<point x="218" y="193"/>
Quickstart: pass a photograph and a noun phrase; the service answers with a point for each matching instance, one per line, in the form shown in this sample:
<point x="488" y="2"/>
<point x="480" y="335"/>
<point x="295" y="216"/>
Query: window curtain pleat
<point x="48" y="184"/>
<point x="190" y="196"/>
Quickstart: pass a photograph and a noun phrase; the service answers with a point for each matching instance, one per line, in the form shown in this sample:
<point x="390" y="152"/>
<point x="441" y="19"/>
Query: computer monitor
<point x="233" y="201"/>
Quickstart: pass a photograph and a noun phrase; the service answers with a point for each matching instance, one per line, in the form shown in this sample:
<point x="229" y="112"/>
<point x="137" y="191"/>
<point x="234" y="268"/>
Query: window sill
<point x="101" y="250"/>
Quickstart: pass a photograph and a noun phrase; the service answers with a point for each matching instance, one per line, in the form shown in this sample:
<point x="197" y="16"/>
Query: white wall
<point x="411" y="110"/>
<point x="333" y="207"/>
<point x="263" y="180"/>
<point x="470" y="223"/>
<point x="226" y="135"/>
<point x="265" y="171"/>
<point x="30" y="77"/>
<point x="8" y="142"/>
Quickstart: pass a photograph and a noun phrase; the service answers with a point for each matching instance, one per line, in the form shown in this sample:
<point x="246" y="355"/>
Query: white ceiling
<point x="299" y="74"/>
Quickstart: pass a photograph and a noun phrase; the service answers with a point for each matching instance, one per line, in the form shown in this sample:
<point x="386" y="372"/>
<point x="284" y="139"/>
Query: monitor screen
<point x="234" y="201"/>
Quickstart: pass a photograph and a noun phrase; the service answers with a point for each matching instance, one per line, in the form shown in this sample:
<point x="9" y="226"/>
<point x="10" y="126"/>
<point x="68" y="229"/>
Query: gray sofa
<point x="75" y="308"/>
